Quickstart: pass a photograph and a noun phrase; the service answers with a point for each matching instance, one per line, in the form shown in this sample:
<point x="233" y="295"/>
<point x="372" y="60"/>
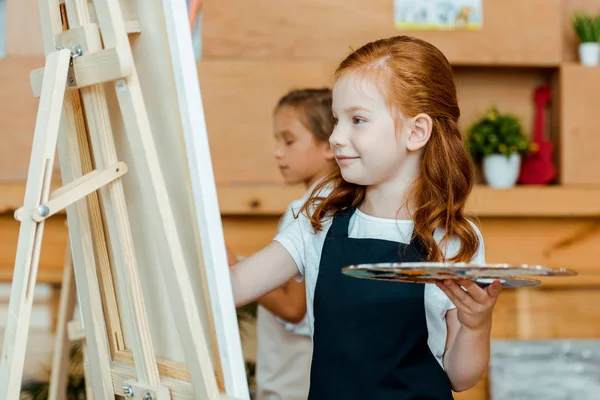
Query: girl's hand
<point x="475" y="304"/>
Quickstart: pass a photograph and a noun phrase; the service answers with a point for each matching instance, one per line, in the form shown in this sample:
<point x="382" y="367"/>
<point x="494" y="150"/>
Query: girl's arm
<point x="194" y="9"/>
<point x="469" y="328"/>
<point x="288" y="302"/>
<point x="261" y="273"/>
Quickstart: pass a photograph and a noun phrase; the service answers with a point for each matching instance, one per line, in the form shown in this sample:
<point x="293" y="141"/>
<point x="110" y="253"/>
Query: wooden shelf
<point x="271" y="200"/>
<point x="535" y="201"/>
<point x="521" y="201"/>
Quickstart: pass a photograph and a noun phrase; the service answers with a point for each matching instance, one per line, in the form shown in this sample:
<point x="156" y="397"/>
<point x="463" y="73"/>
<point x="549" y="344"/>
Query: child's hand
<point x="475" y="305"/>
<point x="231" y="257"/>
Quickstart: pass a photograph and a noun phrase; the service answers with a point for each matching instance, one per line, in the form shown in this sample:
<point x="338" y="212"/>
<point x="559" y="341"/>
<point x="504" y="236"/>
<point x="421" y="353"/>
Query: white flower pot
<point x="500" y="171"/>
<point x="589" y="54"/>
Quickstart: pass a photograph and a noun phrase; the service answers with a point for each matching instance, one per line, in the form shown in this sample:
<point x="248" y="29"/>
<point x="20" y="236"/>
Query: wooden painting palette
<point x="428" y="272"/>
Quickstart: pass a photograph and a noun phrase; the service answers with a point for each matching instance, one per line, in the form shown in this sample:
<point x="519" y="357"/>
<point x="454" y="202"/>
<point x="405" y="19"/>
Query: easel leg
<point x="60" y="359"/>
<point x="89" y="390"/>
<point x="30" y="233"/>
<point x="117" y="221"/>
<point x="183" y="305"/>
<point x="83" y="254"/>
<point x="77" y="335"/>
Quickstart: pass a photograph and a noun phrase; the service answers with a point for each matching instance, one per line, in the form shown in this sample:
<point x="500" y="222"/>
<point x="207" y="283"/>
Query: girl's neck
<point x="382" y="202"/>
<point x="389" y="199"/>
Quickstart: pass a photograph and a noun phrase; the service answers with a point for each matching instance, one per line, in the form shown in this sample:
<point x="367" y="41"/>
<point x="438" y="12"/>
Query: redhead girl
<point x="398" y="195"/>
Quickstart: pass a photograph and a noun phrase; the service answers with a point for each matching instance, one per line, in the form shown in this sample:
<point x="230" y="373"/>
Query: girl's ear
<point x="420" y="132"/>
<point x="327" y="151"/>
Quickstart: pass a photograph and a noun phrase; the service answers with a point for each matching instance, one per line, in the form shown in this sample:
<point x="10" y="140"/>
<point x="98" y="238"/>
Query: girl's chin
<point x="354" y="178"/>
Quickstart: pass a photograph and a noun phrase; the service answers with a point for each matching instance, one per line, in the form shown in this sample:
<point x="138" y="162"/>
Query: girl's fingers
<point x="461" y="294"/>
<point x="477" y="293"/>
<point x="494" y="289"/>
<point x="453" y="298"/>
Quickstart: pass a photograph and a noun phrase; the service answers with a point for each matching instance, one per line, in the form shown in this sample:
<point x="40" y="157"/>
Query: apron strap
<point x="341" y="221"/>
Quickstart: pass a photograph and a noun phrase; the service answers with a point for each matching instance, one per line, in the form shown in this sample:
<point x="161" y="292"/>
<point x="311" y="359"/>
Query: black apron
<point x="370" y="337"/>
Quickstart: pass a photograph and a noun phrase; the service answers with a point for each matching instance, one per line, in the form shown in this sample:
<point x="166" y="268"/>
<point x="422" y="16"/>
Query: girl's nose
<point x="336" y="139"/>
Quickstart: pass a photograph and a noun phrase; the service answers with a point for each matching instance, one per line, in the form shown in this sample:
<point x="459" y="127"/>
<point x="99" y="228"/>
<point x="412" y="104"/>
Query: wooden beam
<point x="485" y="202"/>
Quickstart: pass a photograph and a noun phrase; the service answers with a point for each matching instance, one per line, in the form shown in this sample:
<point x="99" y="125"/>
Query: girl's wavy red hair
<point x="415" y="78"/>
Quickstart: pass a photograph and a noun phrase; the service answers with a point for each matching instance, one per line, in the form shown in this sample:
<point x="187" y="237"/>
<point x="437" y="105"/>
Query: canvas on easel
<point x="119" y="96"/>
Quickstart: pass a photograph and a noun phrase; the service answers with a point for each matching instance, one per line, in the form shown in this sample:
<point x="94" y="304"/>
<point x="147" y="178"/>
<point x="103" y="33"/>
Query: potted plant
<point x="498" y="142"/>
<point x="587" y="29"/>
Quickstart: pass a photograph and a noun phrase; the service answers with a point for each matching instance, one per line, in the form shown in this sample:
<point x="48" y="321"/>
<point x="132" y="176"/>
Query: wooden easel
<point x="81" y="58"/>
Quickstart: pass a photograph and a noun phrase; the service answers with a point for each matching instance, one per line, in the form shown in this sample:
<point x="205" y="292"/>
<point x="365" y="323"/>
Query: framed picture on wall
<point x="438" y="14"/>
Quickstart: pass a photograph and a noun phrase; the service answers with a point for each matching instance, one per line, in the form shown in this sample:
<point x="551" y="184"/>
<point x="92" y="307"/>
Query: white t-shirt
<point x="302" y="327"/>
<point x="284" y="349"/>
<point x="305" y="246"/>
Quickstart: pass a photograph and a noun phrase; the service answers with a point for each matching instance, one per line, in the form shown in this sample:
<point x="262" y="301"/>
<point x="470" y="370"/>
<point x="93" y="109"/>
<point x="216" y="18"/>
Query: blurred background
<point x="528" y="83"/>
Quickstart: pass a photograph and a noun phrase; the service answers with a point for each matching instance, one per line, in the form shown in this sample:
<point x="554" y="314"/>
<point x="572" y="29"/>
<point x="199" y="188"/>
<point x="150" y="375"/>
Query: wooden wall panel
<point x="18" y="111"/>
<point x="509" y="89"/>
<point x="555" y="242"/>
<point x="580" y="126"/>
<point x="238" y="99"/>
<point x="23" y="28"/>
<point x="315" y="29"/>
<point x="560" y="313"/>
<point x="52" y="254"/>
<point x="247" y="235"/>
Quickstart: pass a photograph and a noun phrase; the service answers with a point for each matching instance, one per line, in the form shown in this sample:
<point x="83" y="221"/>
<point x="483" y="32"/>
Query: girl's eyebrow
<point x="356" y="108"/>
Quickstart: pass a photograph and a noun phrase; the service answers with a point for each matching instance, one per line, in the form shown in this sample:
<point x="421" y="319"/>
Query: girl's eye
<point x="357" y="120"/>
<point x="289" y="142"/>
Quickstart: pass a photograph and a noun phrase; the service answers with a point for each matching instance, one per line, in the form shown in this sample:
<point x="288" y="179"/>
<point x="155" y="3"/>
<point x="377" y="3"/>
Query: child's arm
<point x="469" y="327"/>
<point x="287" y="302"/>
<point x="261" y="273"/>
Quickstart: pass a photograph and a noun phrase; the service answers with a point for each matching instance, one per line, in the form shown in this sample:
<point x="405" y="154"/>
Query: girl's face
<point x="369" y="143"/>
<point x="301" y="159"/>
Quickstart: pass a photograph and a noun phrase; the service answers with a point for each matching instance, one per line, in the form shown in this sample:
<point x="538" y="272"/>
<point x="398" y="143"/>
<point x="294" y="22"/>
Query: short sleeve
<point x="286" y="219"/>
<point x="451" y="250"/>
<point x="479" y="257"/>
<point x="290" y="236"/>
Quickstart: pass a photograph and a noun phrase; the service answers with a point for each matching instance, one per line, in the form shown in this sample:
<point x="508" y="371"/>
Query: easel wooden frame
<point x="96" y="211"/>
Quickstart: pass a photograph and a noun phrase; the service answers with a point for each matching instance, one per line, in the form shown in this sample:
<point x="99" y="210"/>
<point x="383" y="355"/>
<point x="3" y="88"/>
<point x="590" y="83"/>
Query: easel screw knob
<point x="148" y="396"/>
<point x="128" y="391"/>
<point x="43" y="210"/>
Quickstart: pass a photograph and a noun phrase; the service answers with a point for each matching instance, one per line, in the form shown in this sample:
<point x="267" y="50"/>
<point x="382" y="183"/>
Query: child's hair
<point x="416" y="78"/>
<point x="314" y="107"/>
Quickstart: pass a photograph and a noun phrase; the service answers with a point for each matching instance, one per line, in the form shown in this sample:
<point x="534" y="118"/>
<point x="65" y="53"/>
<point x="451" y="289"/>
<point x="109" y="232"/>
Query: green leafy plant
<point x="586" y="27"/>
<point x="496" y="133"/>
